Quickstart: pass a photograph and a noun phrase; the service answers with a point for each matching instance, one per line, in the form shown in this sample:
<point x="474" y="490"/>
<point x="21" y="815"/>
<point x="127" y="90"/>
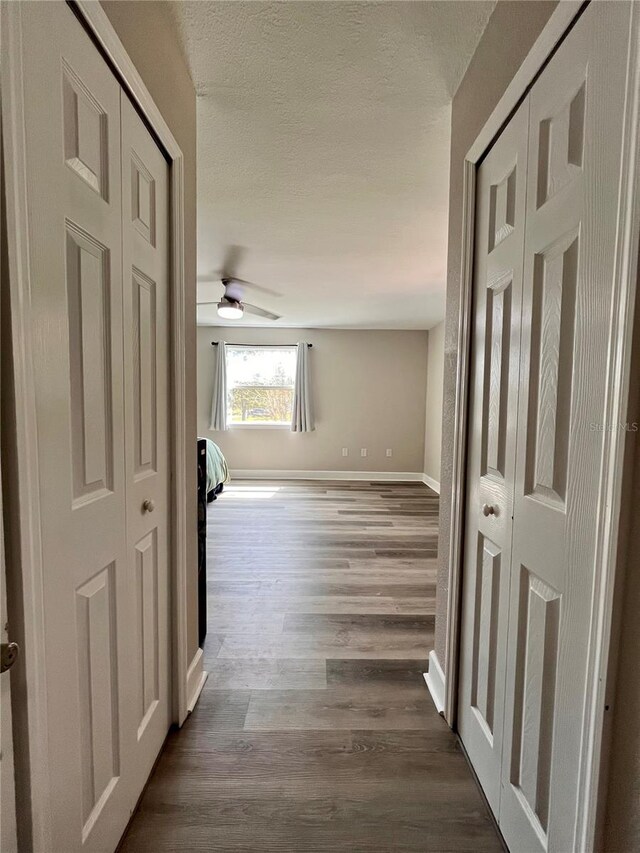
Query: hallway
<point x="315" y="730"/>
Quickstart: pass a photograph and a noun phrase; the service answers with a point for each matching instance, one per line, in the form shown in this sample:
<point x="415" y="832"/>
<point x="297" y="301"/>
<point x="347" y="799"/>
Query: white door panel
<point x="105" y="563"/>
<point x="494" y="392"/>
<point x="575" y="141"/>
<point x="145" y="179"/>
<point x="73" y="155"/>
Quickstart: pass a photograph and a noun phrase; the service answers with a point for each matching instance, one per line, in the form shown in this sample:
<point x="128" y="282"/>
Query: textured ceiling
<point x="323" y="151"/>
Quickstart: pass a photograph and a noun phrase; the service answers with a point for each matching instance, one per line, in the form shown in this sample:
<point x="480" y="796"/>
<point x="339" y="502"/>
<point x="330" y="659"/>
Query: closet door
<point x="575" y="141"/>
<point x="145" y="184"/>
<point x="501" y="187"/>
<point x="72" y="124"/>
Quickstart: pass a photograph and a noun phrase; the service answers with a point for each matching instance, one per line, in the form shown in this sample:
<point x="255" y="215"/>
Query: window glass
<point x="260" y="383"/>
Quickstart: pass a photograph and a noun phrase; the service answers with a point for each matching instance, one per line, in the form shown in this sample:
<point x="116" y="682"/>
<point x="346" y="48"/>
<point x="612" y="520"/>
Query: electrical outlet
<point x="345" y="451"/>
<point x="389" y="451"/>
<point x="363" y="451"/>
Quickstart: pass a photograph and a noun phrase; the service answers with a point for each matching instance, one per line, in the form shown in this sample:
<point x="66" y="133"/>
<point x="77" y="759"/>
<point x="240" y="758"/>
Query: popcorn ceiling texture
<point x="323" y="148"/>
<point x="512" y="29"/>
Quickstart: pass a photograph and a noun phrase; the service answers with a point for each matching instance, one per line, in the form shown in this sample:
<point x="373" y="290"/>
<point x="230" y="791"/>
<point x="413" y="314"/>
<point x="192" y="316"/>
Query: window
<point x="260" y="383"/>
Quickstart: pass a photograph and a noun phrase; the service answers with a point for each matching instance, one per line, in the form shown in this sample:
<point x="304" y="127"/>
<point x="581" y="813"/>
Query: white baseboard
<point x="435" y="682"/>
<point x="395" y="476"/>
<point x="429" y="481"/>
<point x="196" y="678"/>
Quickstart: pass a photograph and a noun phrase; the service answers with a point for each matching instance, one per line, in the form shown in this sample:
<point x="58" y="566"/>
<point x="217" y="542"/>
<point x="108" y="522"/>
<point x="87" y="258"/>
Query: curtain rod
<point x="215" y="344"/>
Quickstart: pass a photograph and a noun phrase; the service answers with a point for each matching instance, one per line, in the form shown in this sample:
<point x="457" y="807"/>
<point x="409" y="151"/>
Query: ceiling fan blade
<point x="213" y="302"/>
<point x="260" y="312"/>
<point x="231" y="261"/>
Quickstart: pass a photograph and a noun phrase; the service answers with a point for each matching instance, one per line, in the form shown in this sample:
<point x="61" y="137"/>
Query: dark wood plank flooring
<point x="315" y="731"/>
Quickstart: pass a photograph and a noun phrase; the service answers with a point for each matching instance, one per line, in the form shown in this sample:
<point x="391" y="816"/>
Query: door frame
<point x="444" y="683"/>
<point x="187" y="676"/>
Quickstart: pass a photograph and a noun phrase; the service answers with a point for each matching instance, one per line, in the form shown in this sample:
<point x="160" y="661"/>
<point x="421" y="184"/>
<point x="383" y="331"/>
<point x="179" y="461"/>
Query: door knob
<point x="487" y="509"/>
<point x="148" y="506"/>
<point x="8" y="655"/>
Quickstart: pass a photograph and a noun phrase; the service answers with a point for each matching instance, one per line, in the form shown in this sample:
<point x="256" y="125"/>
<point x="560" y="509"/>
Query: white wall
<point x="433" y="415"/>
<point x="369" y="391"/>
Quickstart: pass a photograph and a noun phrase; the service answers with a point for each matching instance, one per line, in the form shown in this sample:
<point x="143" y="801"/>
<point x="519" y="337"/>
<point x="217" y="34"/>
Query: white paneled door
<point x="502" y="182"/>
<point x="145" y="181"/>
<point x="98" y="304"/>
<point x="529" y="580"/>
<point x="575" y="147"/>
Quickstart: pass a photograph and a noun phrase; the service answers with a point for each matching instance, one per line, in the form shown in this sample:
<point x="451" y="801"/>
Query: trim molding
<point x="368" y="476"/>
<point x="433" y="484"/>
<point x="616" y="409"/>
<point x="196" y="677"/>
<point x="435" y="682"/>
<point x="28" y="487"/>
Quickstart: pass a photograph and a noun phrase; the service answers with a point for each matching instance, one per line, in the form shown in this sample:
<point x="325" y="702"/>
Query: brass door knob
<point x="148" y="506"/>
<point x="487" y="510"/>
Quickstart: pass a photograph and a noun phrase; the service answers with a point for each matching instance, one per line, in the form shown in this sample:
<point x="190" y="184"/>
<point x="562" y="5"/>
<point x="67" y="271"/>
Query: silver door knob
<point x="8" y="655"/>
<point x="487" y="509"/>
<point x="148" y="506"/>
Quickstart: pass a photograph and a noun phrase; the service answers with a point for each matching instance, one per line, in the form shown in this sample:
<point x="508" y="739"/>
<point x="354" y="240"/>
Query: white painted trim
<point x="433" y="484"/>
<point x="435" y="682"/>
<point x="616" y="408"/>
<point x="28" y="489"/>
<point x="97" y="21"/>
<point x="459" y="456"/>
<point x="27" y="451"/>
<point x="616" y="405"/>
<point x="196" y="677"/>
<point x="367" y="476"/>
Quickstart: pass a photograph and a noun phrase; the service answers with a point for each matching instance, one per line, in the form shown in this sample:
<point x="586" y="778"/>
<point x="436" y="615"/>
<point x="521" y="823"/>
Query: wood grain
<point x="315" y="731"/>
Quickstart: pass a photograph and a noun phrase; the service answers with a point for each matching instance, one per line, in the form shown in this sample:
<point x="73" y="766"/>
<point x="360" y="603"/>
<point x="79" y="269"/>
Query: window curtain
<point x="302" y="419"/>
<point x="219" y="398"/>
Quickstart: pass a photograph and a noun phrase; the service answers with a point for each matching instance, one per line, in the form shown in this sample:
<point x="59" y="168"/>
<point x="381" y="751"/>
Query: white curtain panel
<point x="219" y="398"/>
<point x="302" y="419"/>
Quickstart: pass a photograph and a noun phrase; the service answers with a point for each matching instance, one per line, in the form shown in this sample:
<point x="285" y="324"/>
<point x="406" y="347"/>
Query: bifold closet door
<point x="145" y="260"/>
<point x="575" y="143"/>
<point x="500" y="209"/>
<point x="72" y="122"/>
<point x="99" y="364"/>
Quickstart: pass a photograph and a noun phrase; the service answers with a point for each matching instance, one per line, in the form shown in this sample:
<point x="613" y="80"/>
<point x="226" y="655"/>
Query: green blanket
<point x="217" y="470"/>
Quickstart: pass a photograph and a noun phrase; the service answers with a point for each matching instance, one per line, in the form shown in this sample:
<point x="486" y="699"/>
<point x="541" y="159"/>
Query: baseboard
<point x="435" y="682"/>
<point x="395" y="476"/>
<point x="196" y="677"/>
<point x="369" y="476"/>
<point x="433" y="484"/>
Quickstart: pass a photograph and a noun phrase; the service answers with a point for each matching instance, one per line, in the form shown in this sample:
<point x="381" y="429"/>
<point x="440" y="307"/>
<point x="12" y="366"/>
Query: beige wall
<point x="512" y="29"/>
<point x="433" y="415"/>
<point x="368" y="389"/>
<point x="150" y="38"/>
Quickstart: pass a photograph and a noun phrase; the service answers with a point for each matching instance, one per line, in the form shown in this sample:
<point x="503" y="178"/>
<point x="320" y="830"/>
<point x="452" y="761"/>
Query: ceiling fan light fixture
<point x="229" y="310"/>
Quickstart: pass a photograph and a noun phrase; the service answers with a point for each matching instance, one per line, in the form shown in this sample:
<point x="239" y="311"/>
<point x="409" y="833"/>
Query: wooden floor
<point x="315" y="731"/>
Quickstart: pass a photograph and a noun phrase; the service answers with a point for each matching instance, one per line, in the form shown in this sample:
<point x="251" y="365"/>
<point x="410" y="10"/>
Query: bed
<point x="217" y="470"/>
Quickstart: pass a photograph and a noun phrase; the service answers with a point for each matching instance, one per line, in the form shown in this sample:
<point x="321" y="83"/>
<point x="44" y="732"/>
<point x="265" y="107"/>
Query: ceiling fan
<point x="232" y="305"/>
